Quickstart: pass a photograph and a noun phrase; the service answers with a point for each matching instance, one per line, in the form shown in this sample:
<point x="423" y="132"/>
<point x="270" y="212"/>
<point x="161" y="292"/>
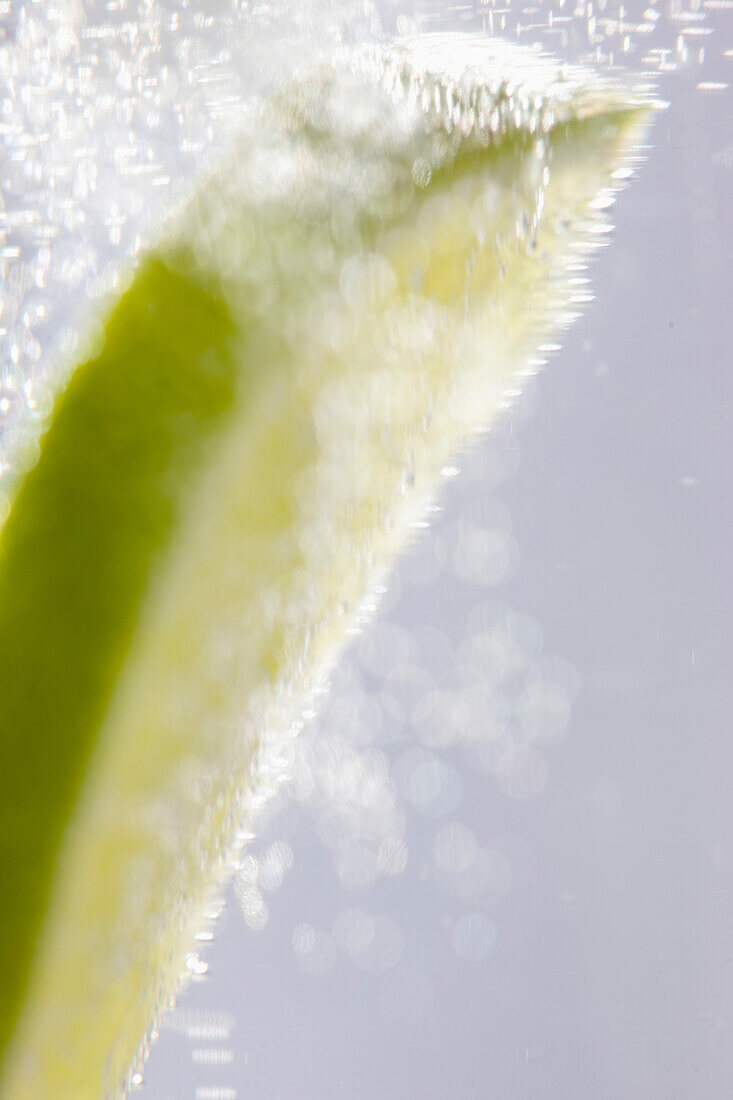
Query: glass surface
<point x="503" y="864"/>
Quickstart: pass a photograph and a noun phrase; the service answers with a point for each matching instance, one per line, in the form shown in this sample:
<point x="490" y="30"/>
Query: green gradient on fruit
<point x="76" y="556"/>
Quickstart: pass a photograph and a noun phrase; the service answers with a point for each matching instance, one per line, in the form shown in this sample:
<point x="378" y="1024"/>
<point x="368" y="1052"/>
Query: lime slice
<point x="329" y="315"/>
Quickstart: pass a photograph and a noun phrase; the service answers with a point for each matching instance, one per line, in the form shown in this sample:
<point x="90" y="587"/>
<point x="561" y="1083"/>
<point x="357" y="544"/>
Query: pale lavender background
<point x="612" y="976"/>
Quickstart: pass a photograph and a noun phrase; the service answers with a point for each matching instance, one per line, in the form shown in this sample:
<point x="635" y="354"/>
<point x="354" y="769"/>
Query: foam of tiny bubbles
<point x="488" y="691"/>
<point x="495" y="688"/>
<point x="115" y="104"/>
<point x="141" y="92"/>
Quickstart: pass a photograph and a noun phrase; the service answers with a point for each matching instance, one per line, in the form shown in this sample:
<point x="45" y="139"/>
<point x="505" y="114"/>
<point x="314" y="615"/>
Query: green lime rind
<point x="89" y="523"/>
<point x="331" y="314"/>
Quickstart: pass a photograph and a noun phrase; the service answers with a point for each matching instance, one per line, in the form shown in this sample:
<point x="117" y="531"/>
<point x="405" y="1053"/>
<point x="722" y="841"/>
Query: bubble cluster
<point x="389" y="394"/>
<point x="639" y="35"/>
<point x="108" y="107"/>
<point x="413" y="718"/>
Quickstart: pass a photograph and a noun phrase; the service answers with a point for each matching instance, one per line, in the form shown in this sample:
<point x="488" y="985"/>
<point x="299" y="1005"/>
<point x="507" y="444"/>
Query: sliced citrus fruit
<point x="322" y="323"/>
